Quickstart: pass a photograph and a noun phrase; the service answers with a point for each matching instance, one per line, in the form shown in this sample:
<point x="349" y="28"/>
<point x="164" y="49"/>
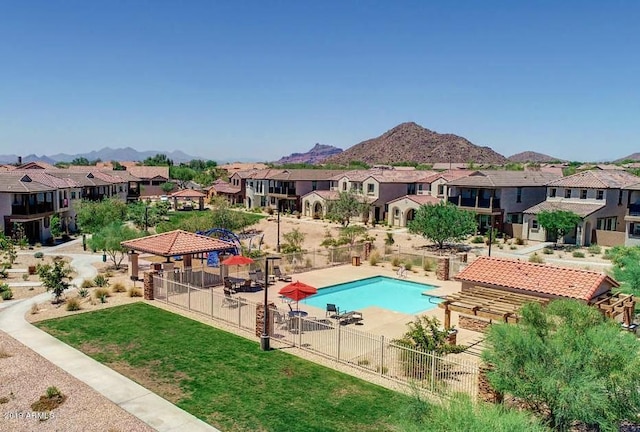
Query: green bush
<point x="396" y="261"/>
<point x="83" y="292"/>
<point x="101" y="294"/>
<point x="374" y="258"/>
<point x="38" y="255"/>
<point x="578" y="254"/>
<point x="594" y="249"/>
<point x="101" y="281"/>
<point x="477" y="239"/>
<point x="519" y="241"/>
<point x="408" y="265"/>
<point x="547" y="251"/>
<point x="536" y="259"/>
<point x="52" y="392"/>
<point x="430" y="264"/>
<point x="73" y="304"/>
<point x="7" y="294"/>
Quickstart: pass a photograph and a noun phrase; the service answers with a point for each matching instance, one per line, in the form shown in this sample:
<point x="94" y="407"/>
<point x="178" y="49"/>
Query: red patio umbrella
<point x="297" y="291"/>
<point x="237" y="260"/>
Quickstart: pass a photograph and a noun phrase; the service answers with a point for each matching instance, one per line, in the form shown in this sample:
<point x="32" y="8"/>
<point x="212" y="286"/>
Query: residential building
<point x="499" y="198"/>
<point x="599" y="197"/>
<point x="224" y="189"/>
<point x="151" y="179"/>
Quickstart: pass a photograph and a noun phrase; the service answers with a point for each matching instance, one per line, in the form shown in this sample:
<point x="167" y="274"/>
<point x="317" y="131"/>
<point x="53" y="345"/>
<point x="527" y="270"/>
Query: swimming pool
<point x="381" y="291"/>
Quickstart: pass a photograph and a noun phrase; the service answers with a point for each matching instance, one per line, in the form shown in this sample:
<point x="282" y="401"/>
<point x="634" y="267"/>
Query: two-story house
<point x="431" y="189"/>
<point x="599" y="197"/>
<point x="632" y="216"/>
<point x="499" y="198"/>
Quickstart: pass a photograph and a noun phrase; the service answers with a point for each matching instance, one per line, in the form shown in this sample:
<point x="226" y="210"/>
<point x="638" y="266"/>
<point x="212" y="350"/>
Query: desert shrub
<point x="87" y="283"/>
<point x="519" y="241"/>
<point x="25" y="277"/>
<point x="477" y="239"/>
<point x="594" y="249"/>
<point x="374" y="258"/>
<point x="7" y="294"/>
<point x="408" y="265"/>
<point x="396" y="261"/>
<point x="101" y="293"/>
<point x="101" y="281"/>
<point x="38" y="255"/>
<point x="389" y="240"/>
<point x="535" y="258"/>
<point x="430" y="264"/>
<point x="578" y="254"/>
<point x="513" y="247"/>
<point x="53" y="391"/>
<point x="547" y="251"/>
<point x="73" y="304"/>
<point x="83" y="292"/>
<point x="135" y="292"/>
<point x="118" y="287"/>
<point x="108" y="274"/>
<point x="34" y="309"/>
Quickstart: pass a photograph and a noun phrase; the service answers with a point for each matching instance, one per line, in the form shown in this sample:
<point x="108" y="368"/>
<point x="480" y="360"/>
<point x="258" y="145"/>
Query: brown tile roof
<point x="446" y="175"/>
<point x="304" y="174"/>
<point x="540" y="278"/>
<point x="329" y="195"/>
<point x="149" y="172"/>
<point x="36" y="165"/>
<point x="497" y="179"/>
<point x="176" y="242"/>
<point x="597" y="179"/>
<point x="419" y="199"/>
<point x="581" y="209"/>
<point x="223" y="187"/>
<point x="13" y="182"/>
<point x="188" y="193"/>
<point x="382" y="175"/>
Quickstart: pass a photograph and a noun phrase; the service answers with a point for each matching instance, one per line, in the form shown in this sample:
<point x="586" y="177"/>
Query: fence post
<point x="433" y="372"/>
<point x="211" y="289"/>
<point x="240" y="313"/>
<point x="381" y="355"/>
<point x="339" y="342"/>
<point x="189" y="297"/>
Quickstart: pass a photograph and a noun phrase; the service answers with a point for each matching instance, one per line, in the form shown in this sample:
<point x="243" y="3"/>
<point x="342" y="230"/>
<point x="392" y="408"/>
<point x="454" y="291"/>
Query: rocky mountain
<point x="634" y="156"/>
<point x="106" y="154"/>
<point x="317" y="154"/>
<point x="411" y="142"/>
<point x="531" y="156"/>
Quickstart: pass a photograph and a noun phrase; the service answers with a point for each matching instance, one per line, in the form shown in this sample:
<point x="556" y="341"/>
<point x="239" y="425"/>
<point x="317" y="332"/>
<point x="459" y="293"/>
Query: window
<point x="583" y="194"/>
<point x="634" y="229"/>
<point x="73" y="195"/>
<point x="534" y="224"/>
<point x="600" y="194"/>
<point x="553" y="192"/>
<point x="440" y="189"/>
<point x="344" y="186"/>
<point x="314" y="185"/>
<point x="514" y="218"/>
<point x="519" y="195"/>
<point x="396" y="212"/>
<point x="567" y="193"/>
<point x="607" y="224"/>
<point x="620" y="197"/>
<point x="411" y="189"/>
<point x="370" y="188"/>
<point x="420" y="188"/>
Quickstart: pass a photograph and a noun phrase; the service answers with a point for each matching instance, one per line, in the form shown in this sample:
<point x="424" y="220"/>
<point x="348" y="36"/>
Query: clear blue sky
<point x="261" y="79"/>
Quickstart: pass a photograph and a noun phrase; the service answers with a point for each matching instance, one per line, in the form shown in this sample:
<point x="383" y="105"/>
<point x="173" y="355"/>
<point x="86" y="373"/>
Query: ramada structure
<point x="494" y="290"/>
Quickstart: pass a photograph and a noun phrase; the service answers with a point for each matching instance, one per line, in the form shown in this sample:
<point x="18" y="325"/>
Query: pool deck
<point x="376" y="320"/>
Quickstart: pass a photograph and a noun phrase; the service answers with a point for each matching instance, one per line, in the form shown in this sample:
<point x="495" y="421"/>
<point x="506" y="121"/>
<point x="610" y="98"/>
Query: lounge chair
<point x="280" y="321"/>
<point x="352" y="317"/>
<point x="282" y="277"/>
<point x="332" y="310"/>
<point x="228" y="286"/>
<point x="256" y="279"/>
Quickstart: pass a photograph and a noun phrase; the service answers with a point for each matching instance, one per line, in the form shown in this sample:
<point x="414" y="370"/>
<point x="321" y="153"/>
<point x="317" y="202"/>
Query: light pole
<point x="264" y="337"/>
<point x="490" y="233"/>
<point x="278" y="243"/>
<point x="146" y="218"/>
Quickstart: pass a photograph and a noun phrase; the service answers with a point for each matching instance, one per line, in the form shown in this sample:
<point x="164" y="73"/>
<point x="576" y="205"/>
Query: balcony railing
<point x="282" y="191"/>
<point x="477" y="202"/>
<point x="24" y="210"/>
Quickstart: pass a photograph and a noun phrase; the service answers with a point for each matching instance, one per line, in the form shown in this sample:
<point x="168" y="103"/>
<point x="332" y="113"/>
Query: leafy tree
<point x="94" y="215"/>
<point x="54" y="277"/>
<point x="182" y="174"/>
<point x="167" y="187"/>
<point x="108" y="240"/>
<point x="442" y="223"/>
<point x="80" y="161"/>
<point x="626" y="267"/>
<point x="117" y="166"/>
<point x="569" y="361"/>
<point x="8" y="249"/>
<point x="293" y="241"/>
<point x="142" y="215"/>
<point x="158" y="160"/>
<point x="349" y="235"/>
<point x="347" y="205"/>
<point x="425" y="334"/>
<point x="557" y="223"/>
<point x="55" y="226"/>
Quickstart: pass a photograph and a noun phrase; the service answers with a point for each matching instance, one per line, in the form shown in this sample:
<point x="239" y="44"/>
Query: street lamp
<point x="278" y="243"/>
<point x="264" y="337"/>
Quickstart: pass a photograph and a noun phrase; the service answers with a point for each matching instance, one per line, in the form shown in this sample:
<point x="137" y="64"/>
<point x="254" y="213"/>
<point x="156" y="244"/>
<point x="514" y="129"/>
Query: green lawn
<point x="225" y="379"/>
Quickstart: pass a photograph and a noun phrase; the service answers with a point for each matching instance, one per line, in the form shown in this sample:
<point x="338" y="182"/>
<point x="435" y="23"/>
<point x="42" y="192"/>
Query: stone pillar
<point x="462" y="256"/>
<point x="187" y="261"/>
<point x="167" y="267"/>
<point x="133" y="265"/>
<point x="442" y="270"/>
<point x="260" y="319"/>
<point x="486" y="393"/>
<point x="148" y="284"/>
<point x="452" y="337"/>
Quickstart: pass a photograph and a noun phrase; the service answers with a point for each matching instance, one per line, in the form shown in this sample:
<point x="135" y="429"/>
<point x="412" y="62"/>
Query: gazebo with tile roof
<point x="174" y="243"/>
<point x="188" y="194"/>
<point x="496" y="289"/>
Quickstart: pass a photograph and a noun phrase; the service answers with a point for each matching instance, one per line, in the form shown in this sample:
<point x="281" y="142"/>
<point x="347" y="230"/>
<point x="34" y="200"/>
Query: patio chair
<point x="280" y="321"/>
<point x="332" y="310"/>
<point x="352" y="317"/>
<point x="281" y="276"/>
<point x="228" y="300"/>
<point x="246" y="285"/>
<point x="260" y="276"/>
<point x="228" y="286"/>
<point x="255" y="278"/>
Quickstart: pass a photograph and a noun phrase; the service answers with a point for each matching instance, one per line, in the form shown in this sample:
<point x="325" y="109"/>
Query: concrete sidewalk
<point x="157" y="412"/>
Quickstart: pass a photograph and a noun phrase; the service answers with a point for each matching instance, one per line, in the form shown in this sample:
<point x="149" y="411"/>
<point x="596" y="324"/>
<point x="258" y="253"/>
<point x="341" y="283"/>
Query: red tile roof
<point x="581" y="209"/>
<point x="540" y="278"/>
<point x="149" y="172"/>
<point x="419" y="199"/>
<point x="597" y="179"/>
<point x="188" y="193"/>
<point x="176" y="242"/>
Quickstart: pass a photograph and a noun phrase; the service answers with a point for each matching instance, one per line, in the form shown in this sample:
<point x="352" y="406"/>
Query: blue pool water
<point x="384" y="292"/>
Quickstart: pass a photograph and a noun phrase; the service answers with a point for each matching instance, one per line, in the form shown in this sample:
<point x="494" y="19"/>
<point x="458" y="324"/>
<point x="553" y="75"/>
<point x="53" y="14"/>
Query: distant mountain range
<point x="316" y="155"/>
<point x="530" y="156"/>
<point x="106" y="154"/>
<point x="634" y="157"/>
<point x="410" y="142"/>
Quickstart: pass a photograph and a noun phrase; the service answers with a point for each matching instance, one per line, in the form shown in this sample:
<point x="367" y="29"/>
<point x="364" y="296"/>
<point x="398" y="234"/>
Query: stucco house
<point x="600" y="197"/>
